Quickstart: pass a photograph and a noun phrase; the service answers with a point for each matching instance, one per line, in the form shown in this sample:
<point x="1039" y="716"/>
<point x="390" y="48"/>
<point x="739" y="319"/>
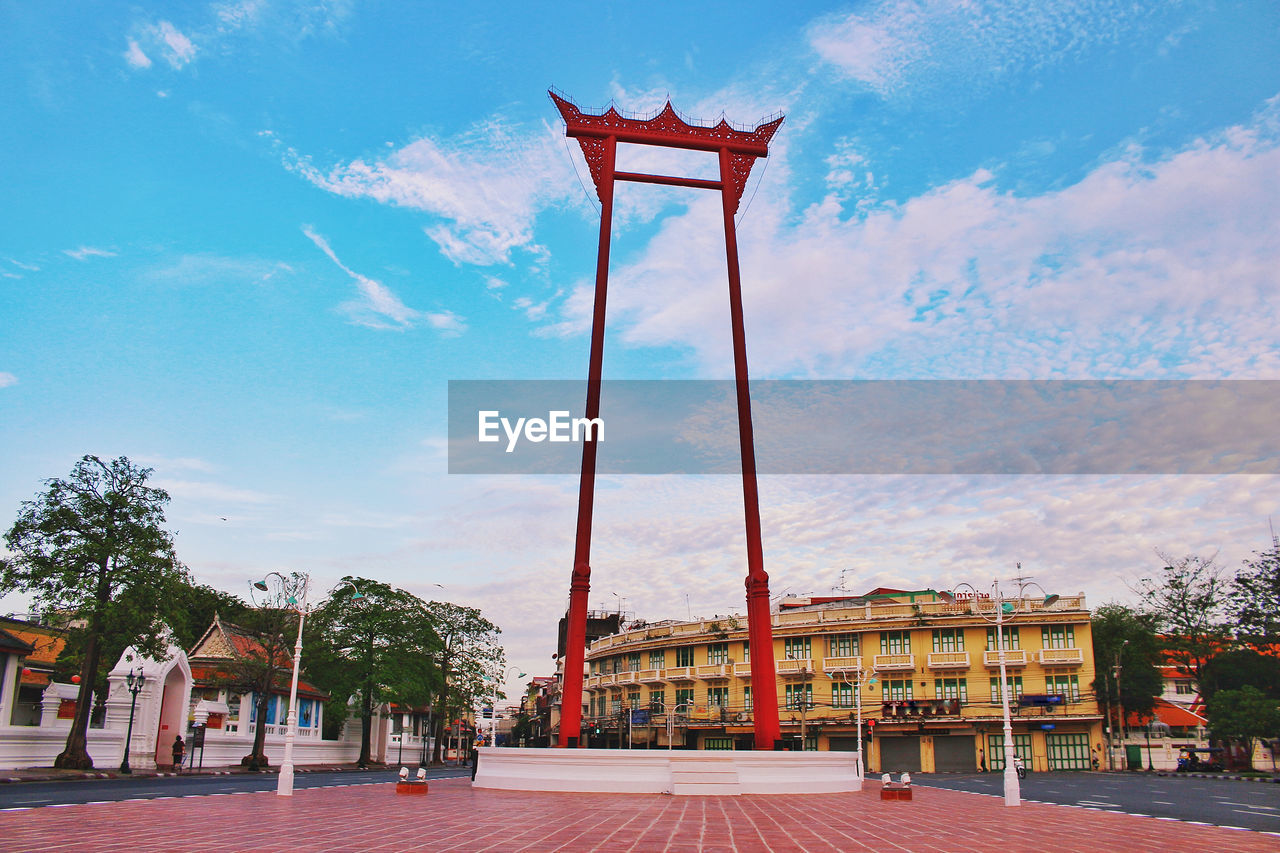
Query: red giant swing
<point x="599" y="135"/>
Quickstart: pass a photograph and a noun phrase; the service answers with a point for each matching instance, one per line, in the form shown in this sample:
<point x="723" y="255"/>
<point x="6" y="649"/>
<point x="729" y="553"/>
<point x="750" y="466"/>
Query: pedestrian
<point x="1097" y="758"/>
<point x="982" y="761"/>
<point x="475" y="762"/>
<point x="179" y="751"/>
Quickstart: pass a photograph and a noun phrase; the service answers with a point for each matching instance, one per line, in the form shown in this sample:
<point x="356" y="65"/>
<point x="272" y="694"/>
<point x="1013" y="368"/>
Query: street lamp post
<point x="134" y="683"/>
<point x="493" y="707"/>
<point x="1116" y="670"/>
<point x="1003" y="608"/>
<point x="867" y="679"/>
<point x="294" y="593"/>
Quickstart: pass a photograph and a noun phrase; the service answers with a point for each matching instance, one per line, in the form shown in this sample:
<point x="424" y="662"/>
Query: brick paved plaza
<point x="456" y="817"/>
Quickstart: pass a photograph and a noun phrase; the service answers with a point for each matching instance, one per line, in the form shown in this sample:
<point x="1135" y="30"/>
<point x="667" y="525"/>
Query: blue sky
<point x="248" y="243"/>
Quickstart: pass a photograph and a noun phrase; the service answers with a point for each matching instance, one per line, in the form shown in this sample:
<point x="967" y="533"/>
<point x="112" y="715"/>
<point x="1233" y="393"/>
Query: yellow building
<point x="928" y="669"/>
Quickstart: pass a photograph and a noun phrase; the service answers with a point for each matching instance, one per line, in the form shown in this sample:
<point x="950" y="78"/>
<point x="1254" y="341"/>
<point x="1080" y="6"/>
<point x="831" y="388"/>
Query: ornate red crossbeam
<point x="599" y="135"/>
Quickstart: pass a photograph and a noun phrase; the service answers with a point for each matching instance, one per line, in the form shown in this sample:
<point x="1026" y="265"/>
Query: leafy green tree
<point x="93" y="546"/>
<point x="1254" y="601"/>
<point x="1187" y="604"/>
<point x="1127" y="636"/>
<point x="1242" y="715"/>
<point x="468" y="652"/>
<point x="1241" y="668"/>
<point x="194" y="606"/>
<point x="378" y="646"/>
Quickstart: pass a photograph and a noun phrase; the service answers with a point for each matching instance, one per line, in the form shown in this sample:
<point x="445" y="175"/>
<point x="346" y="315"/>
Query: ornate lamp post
<point x="493" y="707"/>
<point x="294" y="593"/>
<point x="134" y="683"/>
<point x="1003" y="609"/>
<point x="869" y="680"/>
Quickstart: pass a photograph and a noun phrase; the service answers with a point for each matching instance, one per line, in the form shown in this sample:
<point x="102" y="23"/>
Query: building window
<point x="657" y="659"/>
<point x="633" y="662"/>
<point x="718" y="653"/>
<point x="615" y="664"/>
<point x="898" y="690"/>
<point x="842" y="646"/>
<point x="948" y="640"/>
<point x="657" y="700"/>
<point x="615" y="705"/>
<point x="1058" y="636"/>
<point x="746" y="698"/>
<point x="841" y="694"/>
<point x="746" y="653"/>
<point x="797" y="648"/>
<point x="1067" y="686"/>
<point x="799" y="696"/>
<point x="717" y="743"/>
<point x="633" y="699"/>
<point x="684" y="656"/>
<point x="1009" y="634"/>
<point x="895" y="642"/>
<point x="718" y="696"/>
<point x="1015" y="683"/>
<point x="951" y="688"/>
<point x="1183" y="688"/>
<point x="684" y="696"/>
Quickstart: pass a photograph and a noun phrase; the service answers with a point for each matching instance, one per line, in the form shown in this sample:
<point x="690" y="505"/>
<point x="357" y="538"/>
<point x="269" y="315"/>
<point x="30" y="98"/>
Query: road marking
<point x="1255" y="814"/>
<point x="1247" y="805"/>
<point x="1162" y="802"/>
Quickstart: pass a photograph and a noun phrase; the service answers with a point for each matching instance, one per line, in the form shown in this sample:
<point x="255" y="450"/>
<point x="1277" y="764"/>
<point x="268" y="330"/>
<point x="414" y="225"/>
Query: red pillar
<point x="580" y="582"/>
<point x="764" y="687"/>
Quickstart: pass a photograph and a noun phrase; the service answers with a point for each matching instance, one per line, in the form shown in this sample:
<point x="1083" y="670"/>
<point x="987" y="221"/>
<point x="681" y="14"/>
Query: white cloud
<point x="1146" y="268"/>
<point x="193" y="490"/>
<point x="170" y="463"/>
<point x="85" y="252"/>
<point x="217" y="270"/>
<point x="7" y="379"/>
<point x="484" y="187"/>
<point x="20" y="265"/>
<point x="178" y="49"/>
<point x="897" y="46"/>
<point x="135" y="57"/>
<point x="378" y="307"/>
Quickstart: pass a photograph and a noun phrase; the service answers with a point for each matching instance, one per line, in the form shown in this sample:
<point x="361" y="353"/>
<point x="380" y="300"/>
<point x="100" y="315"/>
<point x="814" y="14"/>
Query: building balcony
<point x="920" y="708"/>
<point x="1061" y="657"/>
<point x="680" y="673"/>
<point x="1012" y="657"/>
<point x="893" y="663"/>
<point x="592" y="682"/>
<point x="742" y="670"/>
<point x="625" y="678"/>
<point x="712" y="671"/>
<point x="846" y="664"/>
<point x="650" y="676"/>
<point x="948" y="660"/>
<point x="793" y="668"/>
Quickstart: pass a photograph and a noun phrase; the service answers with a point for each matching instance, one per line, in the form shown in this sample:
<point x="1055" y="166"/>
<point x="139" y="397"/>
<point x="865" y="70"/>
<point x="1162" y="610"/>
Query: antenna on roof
<point x="1275" y="543"/>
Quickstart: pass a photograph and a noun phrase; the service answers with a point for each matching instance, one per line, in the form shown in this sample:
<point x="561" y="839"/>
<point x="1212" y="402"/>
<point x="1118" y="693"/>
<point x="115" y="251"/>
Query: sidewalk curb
<point x="47" y="774"/>
<point x="1235" y="777"/>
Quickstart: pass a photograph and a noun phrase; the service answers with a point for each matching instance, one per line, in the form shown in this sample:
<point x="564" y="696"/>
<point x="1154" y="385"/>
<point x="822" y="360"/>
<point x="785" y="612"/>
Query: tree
<point x="1127" y="636"/>
<point x="1242" y="715"/>
<point x="468" y="652"/>
<point x="1187" y="605"/>
<point x="93" y="546"/>
<point x="1254" y="601"/>
<point x="378" y="646"/>
<point x="1241" y="668"/>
